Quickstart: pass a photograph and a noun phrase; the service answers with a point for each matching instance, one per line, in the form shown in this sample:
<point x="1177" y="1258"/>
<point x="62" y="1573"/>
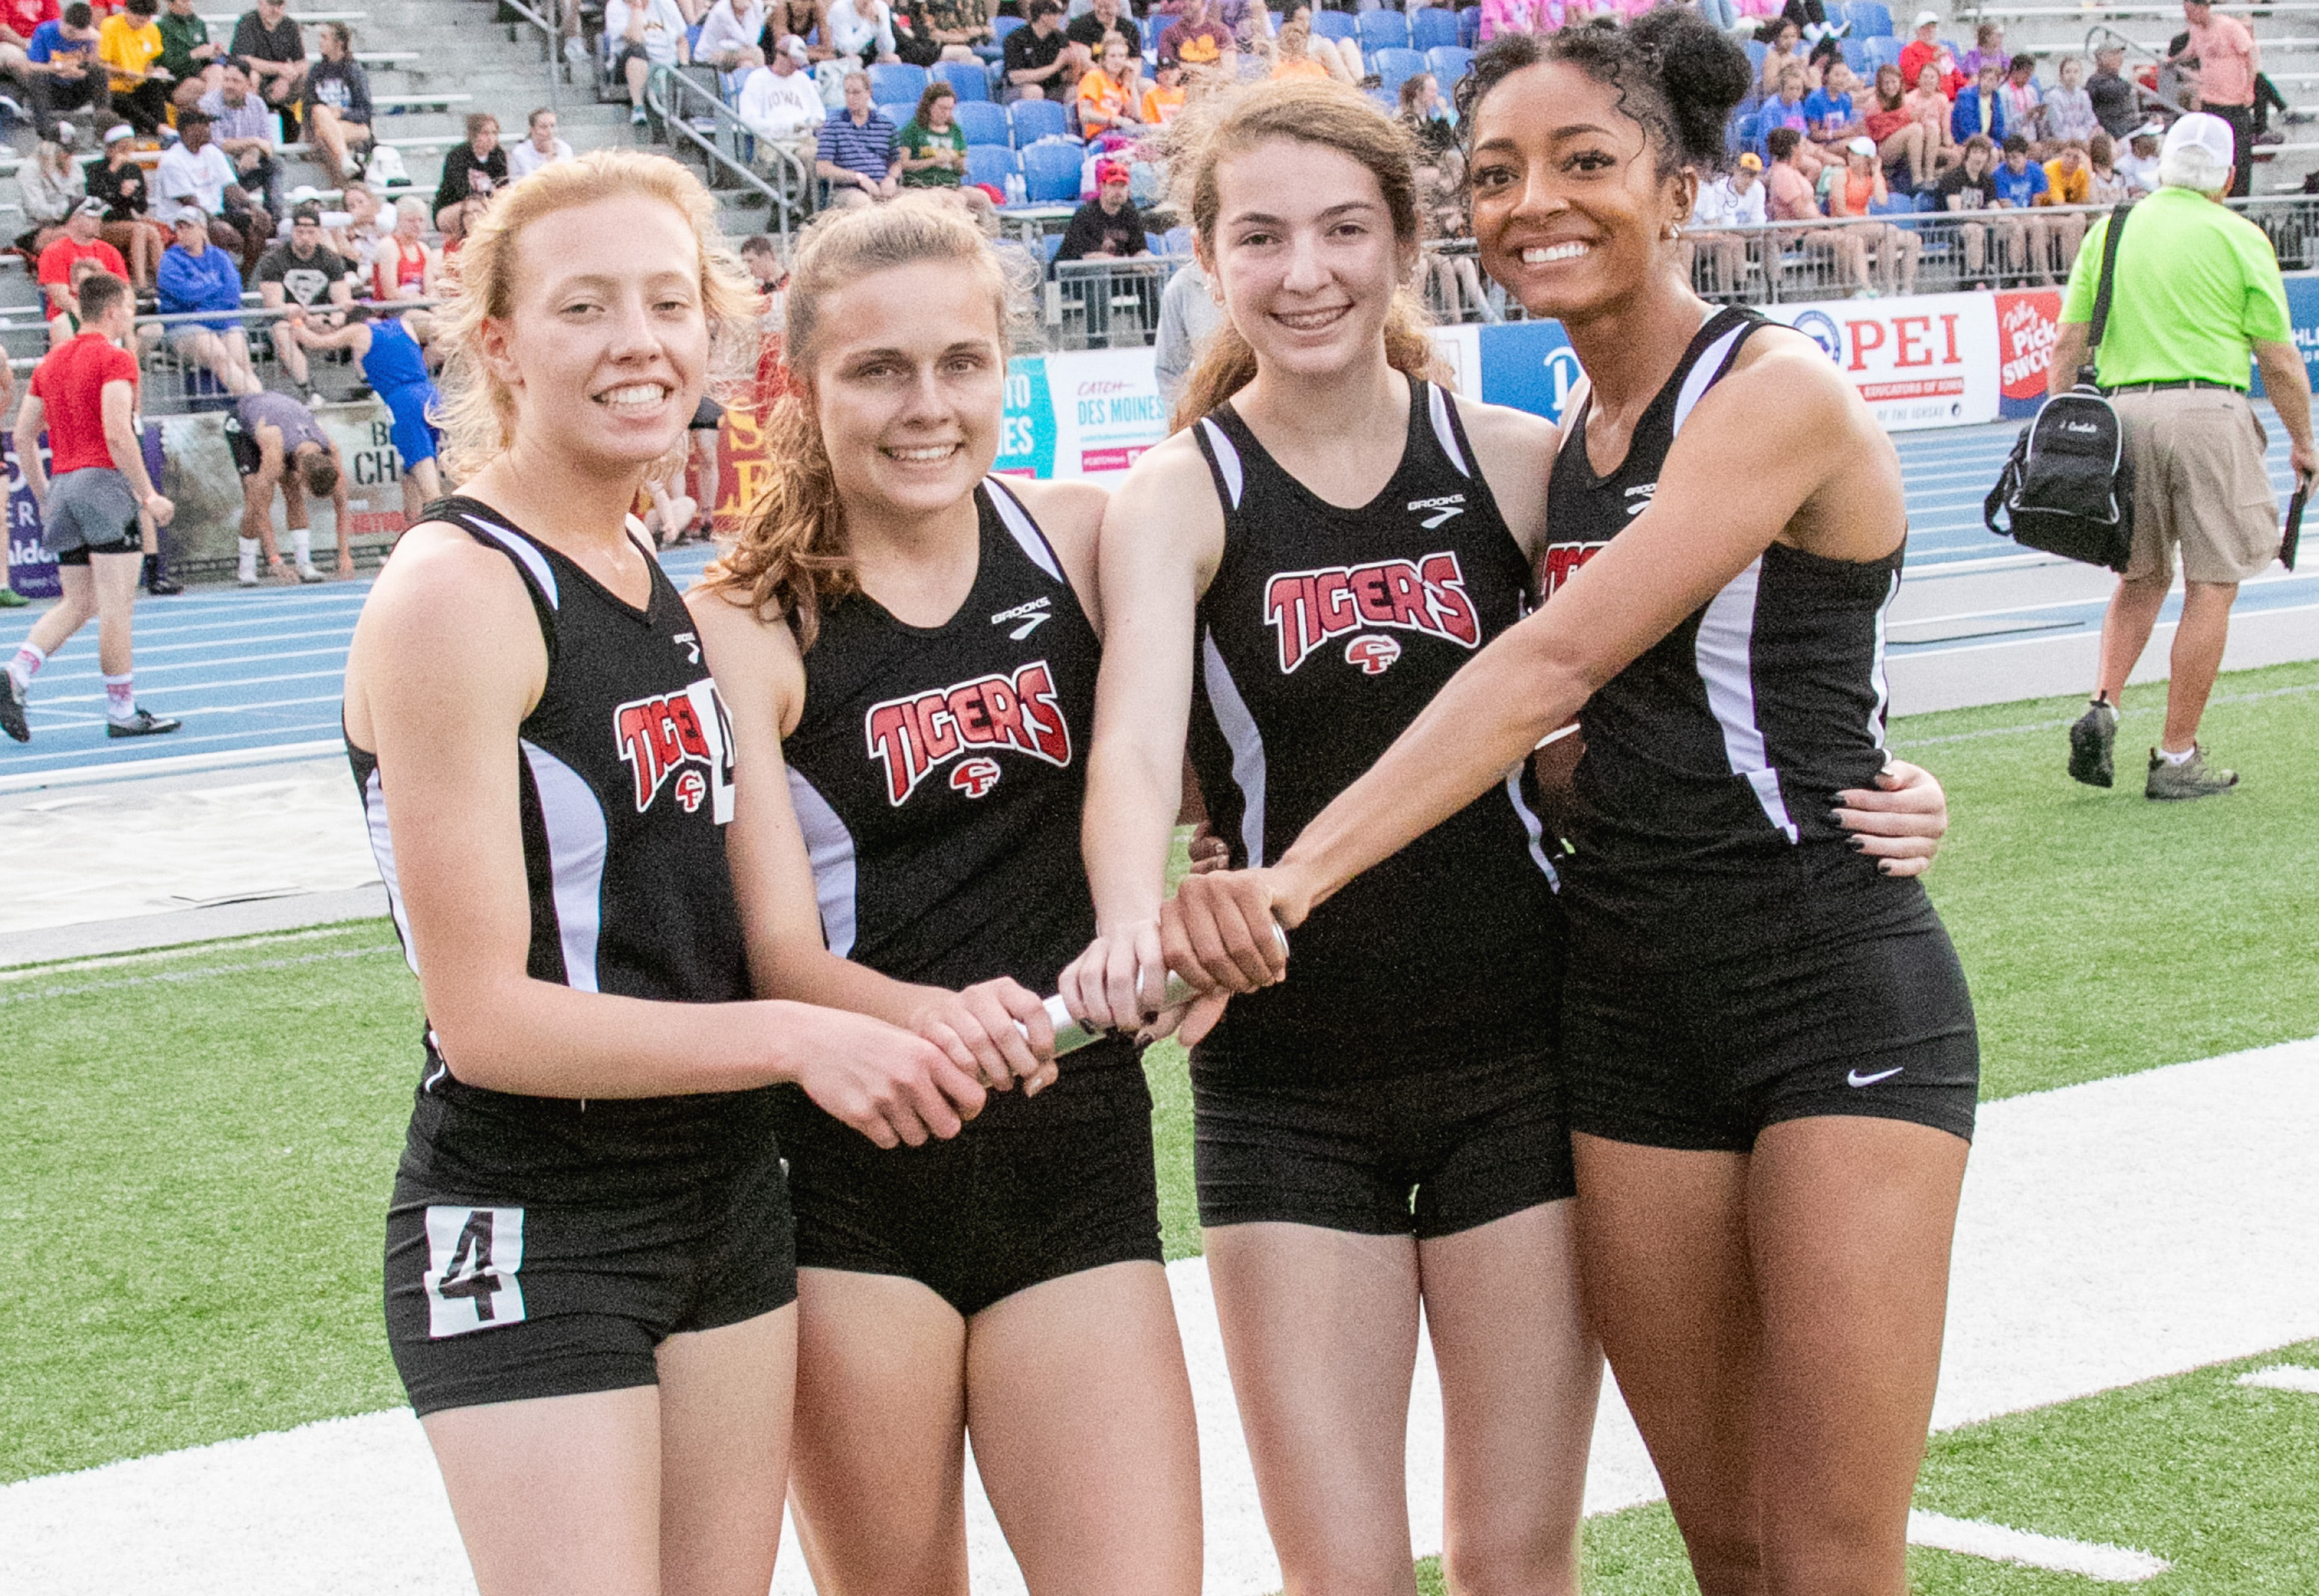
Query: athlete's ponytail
<point x="792" y="554"/>
<point x="1310" y="112"/>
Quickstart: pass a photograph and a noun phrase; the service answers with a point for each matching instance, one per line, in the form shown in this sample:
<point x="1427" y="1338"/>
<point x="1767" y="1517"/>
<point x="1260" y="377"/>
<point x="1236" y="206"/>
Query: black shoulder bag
<point x="2068" y="488"/>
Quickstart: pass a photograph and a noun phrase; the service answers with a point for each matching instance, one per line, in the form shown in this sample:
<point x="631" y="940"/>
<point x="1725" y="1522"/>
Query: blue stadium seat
<point x="1001" y="26"/>
<point x="1469" y="26"/>
<point x="1050" y="173"/>
<point x="968" y="78"/>
<point x="992" y="163"/>
<point x="1869" y="19"/>
<point x="1177" y="241"/>
<point x="1882" y="51"/>
<point x="895" y="81"/>
<point x="1393" y="68"/>
<point x="897" y="112"/>
<point x="1035" y="120"/>
<point x="1333" y="24"/>
<point x="1431" y="27"/>
<point x="1856" y="56"/>
<point x="1448" y="63"/>
<point x="1382" y="30"/>
<point x="1388" y="99"/>
<point x="984" y="122"/>
<point x="1757" y="50"/>
<point x="1154" y="26"/>
<point x="1048" y="243"/>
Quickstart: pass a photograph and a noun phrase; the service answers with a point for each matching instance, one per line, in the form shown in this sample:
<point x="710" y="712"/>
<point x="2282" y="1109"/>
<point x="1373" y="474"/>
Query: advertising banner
<point x="2027" y="324"/>
<point x="2303" y="315"/>
<point x="1086" y="413"/>
<point x="1926" y="361"/>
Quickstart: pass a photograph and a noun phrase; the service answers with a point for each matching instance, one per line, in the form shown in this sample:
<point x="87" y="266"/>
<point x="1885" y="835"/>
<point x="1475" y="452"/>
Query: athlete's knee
<point x="1511" y="1558"/>
<point x="1725" y="1559"/>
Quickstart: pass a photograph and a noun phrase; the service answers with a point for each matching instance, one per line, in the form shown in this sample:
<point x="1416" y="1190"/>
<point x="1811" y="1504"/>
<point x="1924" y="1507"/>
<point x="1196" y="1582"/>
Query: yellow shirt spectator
<point x="2065" y="187"/>
<point x="121" y="43"/>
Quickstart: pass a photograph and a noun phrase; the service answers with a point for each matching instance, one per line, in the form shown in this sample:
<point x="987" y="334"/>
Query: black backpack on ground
<point x="2068" y="488"/>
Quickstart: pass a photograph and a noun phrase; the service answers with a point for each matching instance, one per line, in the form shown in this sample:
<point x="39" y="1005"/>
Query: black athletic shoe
<point x="157" y="579"/>
<point x="144" y="723"/>
<point x="2090" y="742"/>
<point x="12" y="709"/>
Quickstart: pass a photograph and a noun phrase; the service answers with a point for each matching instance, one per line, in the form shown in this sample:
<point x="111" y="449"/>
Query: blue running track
<point x="249" y="671"/>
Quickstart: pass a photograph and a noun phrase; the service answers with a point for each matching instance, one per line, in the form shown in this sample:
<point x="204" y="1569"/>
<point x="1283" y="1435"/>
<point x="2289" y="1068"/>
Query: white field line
<point x="2284" y="1376"/>
<point x="2117" y="1564"/>
<point x="2199" y="1174"/>
<point x="126" y="769"/>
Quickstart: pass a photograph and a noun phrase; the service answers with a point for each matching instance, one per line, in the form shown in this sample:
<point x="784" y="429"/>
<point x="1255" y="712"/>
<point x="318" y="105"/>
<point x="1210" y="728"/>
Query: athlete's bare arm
<point x="1816" y="471"/>
<point x="31" y="419"/>
<point x="1161" y="542"/>
<point x="447" y="661"/>
<point x="355" y="336"/>
<point x="761" y="677"/>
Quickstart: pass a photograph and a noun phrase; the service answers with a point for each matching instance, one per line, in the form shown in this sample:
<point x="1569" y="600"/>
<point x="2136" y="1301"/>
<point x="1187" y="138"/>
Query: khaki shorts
<point x="2199" y="481"/>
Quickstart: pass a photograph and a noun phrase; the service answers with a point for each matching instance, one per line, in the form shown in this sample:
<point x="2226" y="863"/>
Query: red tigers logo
<point x="1305" y="608"/>
<point x="1561" y="563"/>
<point x="910" y="736"/>
<point x="680" y="735"/>
<point x="975" y="776"/>
<point x="1373" y="651"/>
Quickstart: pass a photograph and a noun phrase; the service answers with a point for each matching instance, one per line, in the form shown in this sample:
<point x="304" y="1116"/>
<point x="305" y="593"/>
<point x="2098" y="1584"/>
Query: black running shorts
<point x="1701" y="1052"/>
<point x="538" y="1247"/>
<point x="1427" y="1154"/>
<point x="1029" y="1192"/>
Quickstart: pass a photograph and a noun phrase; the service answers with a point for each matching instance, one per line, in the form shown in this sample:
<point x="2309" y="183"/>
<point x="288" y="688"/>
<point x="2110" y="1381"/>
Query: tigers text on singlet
<point x="625" y="771"/>
<point x="1322" y="636"/>
<point x="938" y="774"/>
<point x="1713" y="759"/>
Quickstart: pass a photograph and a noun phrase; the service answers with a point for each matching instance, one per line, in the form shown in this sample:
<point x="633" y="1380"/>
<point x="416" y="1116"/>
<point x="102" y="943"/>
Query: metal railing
<point x="552" y="42"/>
<point x="1105" y="305"/>
<point x="732" y="153"/>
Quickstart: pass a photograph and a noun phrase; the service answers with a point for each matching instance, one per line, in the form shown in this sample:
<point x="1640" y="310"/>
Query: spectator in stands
<point x="193" y="171"/>
<point x="119" y="182"/>
<point x="2024" y="101"/>
<point x="2020" y="184"/>
<point x="1165" y="98"/>
<point x="2068" y="181"/>
<point x="2138" y="165"/>
<point x="84" y="395"/>
<point x="79" y="241"/>
<point x="305" y="272"/>
<point x="2109" y="187"/>
<point x="1291" y="56"/>
<point x="1791" y="198"/>
<point x="779" y="103"/>
<point x="646" y="33"/>
<point x="2068" y="108"/>
<point x="2228" y="59"/>
<point x="933" y="145"/>
<point x="1199" y="42"/>
<point x="19" y="20"/>
<point x="1987" y="48"/>
<point x="1778" y="55"/>
<point x="2116" y="102"/>
<point x="277" y="443"/>
<point x="762" y="259"/>
<point x="728" y="36"/>
<point x="1900" y="137"/>
<point x="2196" y="292"/>
<point x="798" y="19"/>
<point x="187" y="53"/>
<point x="388" y="349"/>
<point x="1786" y="110"/>
<point x="358" y="242"/>
<point x="1432" y="126"/>
<point x="472" y="170"/>
<point x="856" y="152"/>
<point x="1969" y="186"/>
<point x="337" y="104"/>
<point x="60" y="73"/>
<point x="192" y="277"/>
<point x="860" y="31"/>
<point x="241" y="126"/>
<point x="1449" y="280"/>
<point x="1341" y="56"/>
<point x="1108" y="227"/>
<point x="1981" y="107"/>
<point x="1188" y="313"/>
<point x="48" y="187"/>
<point x="129" y="42"/>
<point x="1832" y="119"/>
<point x="1930" y="109"/>
<point x="1106" y="18"/>
<point x="406" y="269"/>
<point x="1925" y="50"/>
<point x="1733" y="200"/>
<point x="1042" y="63"/>
<point x="269" y="44"/>
<point x="1110" y="97"/>
<point x="1854" y="195"/>
<point x="540" y="145"/>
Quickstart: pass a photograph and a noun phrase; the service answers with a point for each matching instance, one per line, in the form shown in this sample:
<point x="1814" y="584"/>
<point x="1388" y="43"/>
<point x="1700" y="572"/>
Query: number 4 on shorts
<point x="473" y="1254"/>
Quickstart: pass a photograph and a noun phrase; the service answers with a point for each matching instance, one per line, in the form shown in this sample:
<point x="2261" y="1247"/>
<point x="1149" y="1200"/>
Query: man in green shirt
<point x="2198" y="294"/>
<point x="187" y="53"/>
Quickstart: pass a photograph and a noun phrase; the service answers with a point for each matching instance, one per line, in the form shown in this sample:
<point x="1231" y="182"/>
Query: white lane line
<point x="2121" y="1566"/>
<point x="208" y="972"/>
<point x="2284" y="1376"/>
<point x="129" y="768"/>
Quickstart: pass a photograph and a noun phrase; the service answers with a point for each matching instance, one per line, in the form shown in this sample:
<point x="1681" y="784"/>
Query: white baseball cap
<point x="793" y="47"/>
<point x="1928" y="19"/>
<point x="2152" y="129"/>
<point x="1861" y="146"/>
<point x="2204" y="131"/>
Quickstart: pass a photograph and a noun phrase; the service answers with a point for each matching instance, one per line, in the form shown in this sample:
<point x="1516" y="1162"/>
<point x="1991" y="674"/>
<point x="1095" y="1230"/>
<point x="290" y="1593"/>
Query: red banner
<point x="2026" y="326"/>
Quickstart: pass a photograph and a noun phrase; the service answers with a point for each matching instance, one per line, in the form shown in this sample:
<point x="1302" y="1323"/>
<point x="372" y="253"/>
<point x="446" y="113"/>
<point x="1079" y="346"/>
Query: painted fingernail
<point x="1857" y="844"/>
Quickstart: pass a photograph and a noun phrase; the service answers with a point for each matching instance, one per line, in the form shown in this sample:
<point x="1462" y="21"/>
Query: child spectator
<point x="406" y="269"/>
<point x="2138" y="165"/>
<point x="1786" y="110"/>
<point x="933" y="145"/>
<point x="1735" y="200"/>
<point x="1856" y="194"/>
<point x="2024" y="101"/>
<point x="2020" y="184"/>
<point x="2068" y="181"/>
<point x="1341" y="57"/>
<point x="1165" y="97"/>
<point x="1291" y="58"/>
<point x="1791" y="199"/>
<point x="337" y="104"/>
<point x="119" y="182"/>
<point x="1107" y="96"/>
<point x="1967" y="186"/>
<point x="1981" y="107"/>
<point x="2108" y="187"/>
<point x="2070" y="109"/>
<point x="60" y="69"/>
<point x="1831" y="120"/>
<point x="1901" y="137"/>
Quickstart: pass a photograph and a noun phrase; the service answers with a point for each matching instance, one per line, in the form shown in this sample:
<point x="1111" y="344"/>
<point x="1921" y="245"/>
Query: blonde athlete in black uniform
<point x="588" y="1269"/>
<point x="909" y="646"/>
<point x="1768" y="1044"/>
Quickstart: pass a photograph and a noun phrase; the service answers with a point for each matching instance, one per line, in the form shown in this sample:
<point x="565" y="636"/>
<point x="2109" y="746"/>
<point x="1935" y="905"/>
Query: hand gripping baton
<point x="1071" y="1035"/>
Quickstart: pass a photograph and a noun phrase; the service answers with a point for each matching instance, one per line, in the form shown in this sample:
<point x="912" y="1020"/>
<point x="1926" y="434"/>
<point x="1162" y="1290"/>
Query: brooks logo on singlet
<point x="1305" y="608"/>
<point x="910" y="736"/>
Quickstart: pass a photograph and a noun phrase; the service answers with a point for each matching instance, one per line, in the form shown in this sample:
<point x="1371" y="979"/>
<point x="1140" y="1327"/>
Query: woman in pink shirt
<point x="1507" y="16"/>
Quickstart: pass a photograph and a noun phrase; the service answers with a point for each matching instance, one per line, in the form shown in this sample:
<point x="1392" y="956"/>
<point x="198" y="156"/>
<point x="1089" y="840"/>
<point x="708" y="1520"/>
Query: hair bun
<point x="1703" y="73"/>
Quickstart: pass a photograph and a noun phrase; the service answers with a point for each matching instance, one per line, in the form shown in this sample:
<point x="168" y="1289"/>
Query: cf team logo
<point x="909" y="737"/>
<point x="681" y="736"/>
<point x="975" y="776"/>
<point x="1563" y="560"/>
<point x="1373" y="651"/>
<point x="1306" y="609"/>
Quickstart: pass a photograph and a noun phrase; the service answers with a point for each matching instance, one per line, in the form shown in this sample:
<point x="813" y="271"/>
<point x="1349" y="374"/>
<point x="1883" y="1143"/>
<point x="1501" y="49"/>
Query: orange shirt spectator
<point x="2227" y="59"/>
<point x="1164" y="98"/>
<point x="1107" y="95"/>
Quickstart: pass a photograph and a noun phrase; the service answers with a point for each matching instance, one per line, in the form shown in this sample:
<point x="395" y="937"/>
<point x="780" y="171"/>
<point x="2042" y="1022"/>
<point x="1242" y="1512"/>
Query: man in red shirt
<point x="1925" y="50"/>
<point x="18" y="18"/>
<point x="84" y="393"/>
<point x="77" y="243"/>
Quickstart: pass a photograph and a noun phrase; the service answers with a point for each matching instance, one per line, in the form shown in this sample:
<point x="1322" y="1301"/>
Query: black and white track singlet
<point x="1322" y="636"/>
<point x="938" y="774"/>
<point x="625" y="785"/>
<point x="1712" y="761"/>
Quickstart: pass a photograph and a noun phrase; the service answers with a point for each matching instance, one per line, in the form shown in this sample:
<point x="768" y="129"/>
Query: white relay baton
<point x="1071" y="1035"/>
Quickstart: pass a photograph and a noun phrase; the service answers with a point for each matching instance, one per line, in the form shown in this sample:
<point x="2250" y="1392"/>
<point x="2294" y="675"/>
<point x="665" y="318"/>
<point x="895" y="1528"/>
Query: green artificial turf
<point x="2104" y="933"/>
<point x="2219" y="1479"/>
